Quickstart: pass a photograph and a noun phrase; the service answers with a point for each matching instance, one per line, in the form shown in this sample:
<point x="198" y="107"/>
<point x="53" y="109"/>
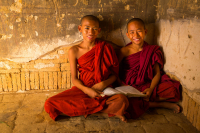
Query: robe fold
<point x="137" y="71"/>
<point x="94" y="66"/>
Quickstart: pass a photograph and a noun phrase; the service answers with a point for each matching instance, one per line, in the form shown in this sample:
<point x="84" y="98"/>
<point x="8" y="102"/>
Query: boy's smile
<point x="136" y="32"/>
<point x="89" y="29"/>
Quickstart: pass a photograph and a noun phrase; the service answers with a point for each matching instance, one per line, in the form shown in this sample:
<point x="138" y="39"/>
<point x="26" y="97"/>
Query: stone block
<point x="46" y="80"/>
<point x="56" y="128"/>
<point x="34" y="97"/>
<point x="41" y="77"/>
<point x="196" y="109"/>
<point x="116" y="122"/>
<point x="55" y="61"/>
<point x="27" y="76"/>
<point x="185" y="103"/>
<point x="152" y="119"/>
<point x="72" y="126"/>
<point x="13" y="98"/>
<point x="64" y="80"/>
<point x="10" y="71"/>
<point x="94" y="125"/>
<point x="7" y="116"/>
<point x="9" y="64"/>
<point x="4" y="82"/>
<point x="59" y="80"/>
<point x="1" y="84"/>
<point x="196" y="97"/>
<point x="55" y="80"/>
<point x="31" y="108"/>
<point x="50" y="80"/>
<point x="1" y="97"/>
<point x="32" y="80"/>
<point x="23" y="81"/>
<point x="27" y="119"/>
<point x="9" y="107"/>
<point x="14" y="82"/>
<point x="175" y="118"/>
<point x="188" y="127"/>
<point x="191" y="108"/>
<point x="32" y="128"/>
<point x="9" y="81"/>
<point x="198" y="120"/>
<point x="37" y="82"/>
<point x="65" y="67"/>
<point x="68" y="79"/>
<point x="5" y="128"/>
<point x="18" y="80"/>
<point x="164" y="127"/>
<point x="41" y="67"/>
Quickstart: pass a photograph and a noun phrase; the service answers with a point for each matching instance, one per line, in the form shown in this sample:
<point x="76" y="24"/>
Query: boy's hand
<point x="92" y="93"/>
<point x="98" y="87"/>
<point x="148" y="92"/>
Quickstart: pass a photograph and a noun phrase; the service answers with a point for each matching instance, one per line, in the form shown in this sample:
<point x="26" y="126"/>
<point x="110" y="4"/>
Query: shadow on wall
<point x="155" y="40"/>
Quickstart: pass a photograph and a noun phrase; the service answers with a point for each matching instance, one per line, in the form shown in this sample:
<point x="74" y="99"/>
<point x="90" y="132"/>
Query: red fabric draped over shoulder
<point x="137" y="71"/>
<point x="94" y="66"/>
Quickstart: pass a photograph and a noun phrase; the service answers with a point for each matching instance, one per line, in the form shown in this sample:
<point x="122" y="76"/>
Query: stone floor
<point x="24" y="113"/>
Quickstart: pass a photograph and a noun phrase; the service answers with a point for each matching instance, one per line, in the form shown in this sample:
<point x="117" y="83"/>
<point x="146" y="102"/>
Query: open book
<point x="126" y="90"/>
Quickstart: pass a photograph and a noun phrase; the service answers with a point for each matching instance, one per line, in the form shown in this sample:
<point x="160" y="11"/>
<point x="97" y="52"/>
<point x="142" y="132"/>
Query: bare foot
<point x="176" y="108"/>
<point x="123" y="118"/>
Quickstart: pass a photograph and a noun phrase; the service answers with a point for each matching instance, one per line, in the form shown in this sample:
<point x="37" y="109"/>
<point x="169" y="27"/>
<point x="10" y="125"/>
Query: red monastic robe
<point x="94" y="66"/>
<point x="137" y="71"/>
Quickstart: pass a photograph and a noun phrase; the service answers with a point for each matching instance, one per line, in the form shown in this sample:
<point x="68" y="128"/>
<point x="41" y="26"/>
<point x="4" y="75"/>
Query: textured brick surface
<point x="198" y="120"/>
<point x="185" y="103"/>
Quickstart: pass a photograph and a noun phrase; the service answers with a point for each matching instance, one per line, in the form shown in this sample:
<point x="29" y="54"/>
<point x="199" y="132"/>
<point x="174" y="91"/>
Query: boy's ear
<point x="127" y="34"/>
<point x="145" y="31"/>
<point x="79" y="28"/>
<point x="99" y="30"/>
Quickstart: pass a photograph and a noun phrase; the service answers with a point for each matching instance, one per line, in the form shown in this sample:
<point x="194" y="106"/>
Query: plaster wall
<point x="32" y="28"/>
<point x="177" y="32"/>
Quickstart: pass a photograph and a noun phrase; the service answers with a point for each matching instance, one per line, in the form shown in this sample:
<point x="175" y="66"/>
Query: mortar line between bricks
<point x="143" y="128"/>
<point x="17" y="112"/>
<point x="166" y="118"/>
<point x="181" y="128"/>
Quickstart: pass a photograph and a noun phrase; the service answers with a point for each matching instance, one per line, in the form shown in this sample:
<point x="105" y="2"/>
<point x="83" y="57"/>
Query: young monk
<point x="98" y="67"/>
<point x="142" y="67"/>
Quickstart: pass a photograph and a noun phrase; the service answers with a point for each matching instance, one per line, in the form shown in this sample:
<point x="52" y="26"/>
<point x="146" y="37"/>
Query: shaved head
<point x="90" y="17"/>
<point x="138" y="20"/>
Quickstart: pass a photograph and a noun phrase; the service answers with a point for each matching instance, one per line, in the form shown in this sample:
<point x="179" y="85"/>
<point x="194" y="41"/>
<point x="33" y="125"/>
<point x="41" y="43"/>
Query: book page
<point x="110" y="91"/>
<point x="130" y="91"/>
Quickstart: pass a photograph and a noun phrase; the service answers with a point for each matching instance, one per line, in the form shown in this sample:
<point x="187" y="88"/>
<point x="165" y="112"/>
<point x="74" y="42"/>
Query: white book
<point x="126" y="90"/>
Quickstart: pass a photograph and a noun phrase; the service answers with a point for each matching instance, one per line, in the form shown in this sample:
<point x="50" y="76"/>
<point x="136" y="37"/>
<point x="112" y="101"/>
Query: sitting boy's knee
<point x="122" y="97"/>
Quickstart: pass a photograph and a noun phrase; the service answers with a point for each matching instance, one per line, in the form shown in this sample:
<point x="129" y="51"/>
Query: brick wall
<point x="190" y="104"/>
<point x="49" y="72"/>
<point x="191" y="109"/>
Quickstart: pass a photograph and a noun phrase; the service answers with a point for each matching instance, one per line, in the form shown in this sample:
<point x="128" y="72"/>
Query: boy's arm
<point x="154" y="81"/>
<point x="103" y="84"/>
<point x="73" y="67"/>
<point x="121" y="55"/>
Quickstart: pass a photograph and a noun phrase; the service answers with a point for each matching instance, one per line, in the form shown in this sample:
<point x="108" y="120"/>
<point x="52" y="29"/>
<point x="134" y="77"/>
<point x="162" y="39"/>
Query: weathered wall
<point x="31" y="28"/>
<point x="178" y="30"/>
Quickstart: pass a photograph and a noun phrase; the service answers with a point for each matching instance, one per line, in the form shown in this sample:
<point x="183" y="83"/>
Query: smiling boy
<point x="98" y="68"/>
<point x="143" y="69"/>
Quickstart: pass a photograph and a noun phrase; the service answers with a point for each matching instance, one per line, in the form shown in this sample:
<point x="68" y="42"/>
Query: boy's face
<point x="136" y="32"/>
<point x="89" y="29"/>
